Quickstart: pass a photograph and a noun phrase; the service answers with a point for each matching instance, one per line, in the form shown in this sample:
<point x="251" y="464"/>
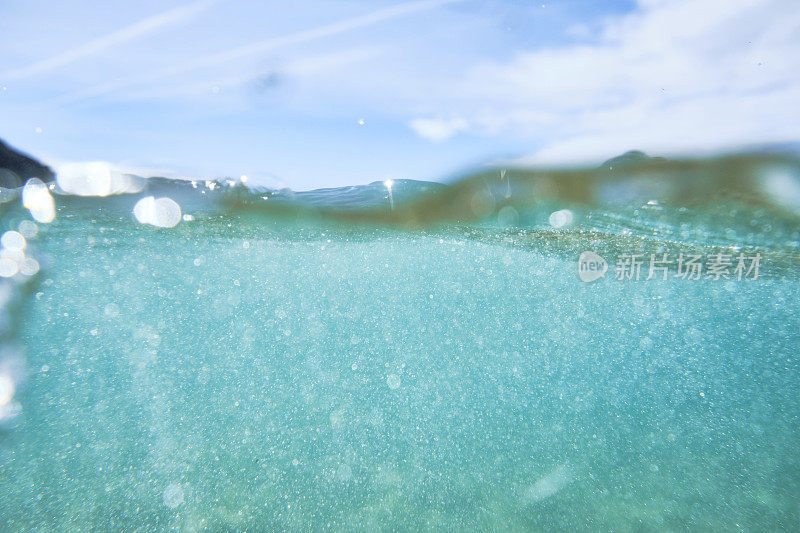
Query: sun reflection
<point x="388" y="184"/>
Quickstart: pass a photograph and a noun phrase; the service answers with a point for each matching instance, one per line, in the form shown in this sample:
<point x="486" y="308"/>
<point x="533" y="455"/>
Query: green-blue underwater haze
<point x="409" y="356"/>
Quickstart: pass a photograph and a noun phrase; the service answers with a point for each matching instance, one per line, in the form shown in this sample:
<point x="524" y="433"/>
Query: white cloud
<point x="672" y="75"/>
<point x="437" y="129"/>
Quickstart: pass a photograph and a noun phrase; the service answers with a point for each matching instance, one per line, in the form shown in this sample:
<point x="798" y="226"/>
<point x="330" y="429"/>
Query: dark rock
<point x="16" y="168"/>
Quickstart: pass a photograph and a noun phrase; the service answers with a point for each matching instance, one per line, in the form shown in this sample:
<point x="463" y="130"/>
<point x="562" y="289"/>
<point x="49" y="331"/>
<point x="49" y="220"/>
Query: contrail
<point x="261" y="47"/>
<point x="139" y="29"/>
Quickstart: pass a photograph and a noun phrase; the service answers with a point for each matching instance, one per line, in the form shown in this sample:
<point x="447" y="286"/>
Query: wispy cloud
<point x="96" y="46"/>
<point x="261" y="47"/>
<point x="673" y="75"/>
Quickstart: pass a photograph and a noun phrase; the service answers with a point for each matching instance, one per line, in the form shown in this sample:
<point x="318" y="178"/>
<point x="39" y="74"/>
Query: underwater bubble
<point x="96" y="178"/>
<point x="508" y="216"/>
<point x="15" y="255"/>
<point x="173" y="496"/>
<point x="782" y="184"/>
<point x="8" y="267"/>
<point x="13" y="240"/>
<point x="29" y="266"/>
<point x="37" y="199"/>
<point x="561" y="218"/>
<point x="393" y="380"/>
<point x="85" y="179"/>
<point x="482" y="203"/>
<point x="28" y="229"/>
<point x="162" y="212"/>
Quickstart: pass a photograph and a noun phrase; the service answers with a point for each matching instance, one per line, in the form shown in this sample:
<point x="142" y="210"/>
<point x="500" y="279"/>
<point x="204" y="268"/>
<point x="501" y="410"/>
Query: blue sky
<point x="322" y="93"/>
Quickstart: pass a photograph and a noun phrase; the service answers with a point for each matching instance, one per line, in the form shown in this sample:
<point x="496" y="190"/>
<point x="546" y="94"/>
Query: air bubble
<point x="161" y="212"/>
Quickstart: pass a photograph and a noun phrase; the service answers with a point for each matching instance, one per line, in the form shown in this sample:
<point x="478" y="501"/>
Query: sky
<point x="322" y="93"/>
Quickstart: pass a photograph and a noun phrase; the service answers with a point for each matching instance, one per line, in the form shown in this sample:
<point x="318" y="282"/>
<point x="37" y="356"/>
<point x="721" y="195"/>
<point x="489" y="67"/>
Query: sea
<point x="560" y="349"/>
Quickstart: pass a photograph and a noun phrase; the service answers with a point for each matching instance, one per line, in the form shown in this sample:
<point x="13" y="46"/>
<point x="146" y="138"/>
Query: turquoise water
<point x="245" y="373"/>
